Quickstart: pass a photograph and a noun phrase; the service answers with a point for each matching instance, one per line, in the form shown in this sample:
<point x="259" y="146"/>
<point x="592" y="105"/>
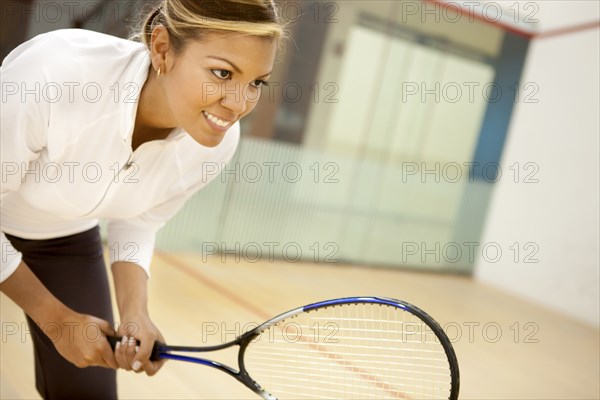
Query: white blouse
<point x="69" y="99"/>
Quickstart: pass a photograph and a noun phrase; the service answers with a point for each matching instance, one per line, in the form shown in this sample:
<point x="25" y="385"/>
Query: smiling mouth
<point x="216" y="122"/>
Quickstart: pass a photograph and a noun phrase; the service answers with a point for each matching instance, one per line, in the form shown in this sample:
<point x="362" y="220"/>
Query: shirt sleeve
<point x="132" y="240"/>
<point x="24" y="116"/>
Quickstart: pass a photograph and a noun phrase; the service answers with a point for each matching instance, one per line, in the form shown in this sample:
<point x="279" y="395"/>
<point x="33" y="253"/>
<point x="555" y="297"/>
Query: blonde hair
<point x="189" y="20"/>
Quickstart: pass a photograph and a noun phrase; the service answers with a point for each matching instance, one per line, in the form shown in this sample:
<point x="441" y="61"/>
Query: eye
<point x="259" y="83"/>
<point x="221" y="73"/>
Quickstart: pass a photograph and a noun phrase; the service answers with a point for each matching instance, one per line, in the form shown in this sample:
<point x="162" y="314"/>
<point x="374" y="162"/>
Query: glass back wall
<point x="373" y="164"/>
<point x="372" y="144"/>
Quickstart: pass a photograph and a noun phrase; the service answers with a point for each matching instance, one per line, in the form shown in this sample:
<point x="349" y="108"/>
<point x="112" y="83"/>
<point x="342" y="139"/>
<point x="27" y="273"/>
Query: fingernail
<point x="131" y="341"/>
<point x="137" y="348"/>
<point x="136" y="365"/>
<point x="124" y="340"/>
<point x="117" y="346"/>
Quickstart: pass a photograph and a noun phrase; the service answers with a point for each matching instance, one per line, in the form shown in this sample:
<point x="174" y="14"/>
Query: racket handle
<point x="154" y="356"/>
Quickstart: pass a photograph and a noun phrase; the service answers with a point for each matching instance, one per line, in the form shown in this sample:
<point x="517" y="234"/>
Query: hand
<point x="80" y="339"/>
<point x="131" y="356"/>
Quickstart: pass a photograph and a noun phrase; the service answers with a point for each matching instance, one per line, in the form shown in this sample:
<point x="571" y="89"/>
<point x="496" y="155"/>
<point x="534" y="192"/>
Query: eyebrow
<point x="235" y="67"/>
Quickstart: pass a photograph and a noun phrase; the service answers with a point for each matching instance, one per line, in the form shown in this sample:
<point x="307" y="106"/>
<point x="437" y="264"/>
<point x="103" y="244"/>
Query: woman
<point x="94" y="127"/>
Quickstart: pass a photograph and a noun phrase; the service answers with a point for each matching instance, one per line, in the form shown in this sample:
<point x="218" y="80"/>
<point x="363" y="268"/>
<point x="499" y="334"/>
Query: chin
<point x="208" y="140"/>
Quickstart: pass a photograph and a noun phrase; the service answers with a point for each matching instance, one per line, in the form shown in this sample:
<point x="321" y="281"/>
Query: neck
<point x="150" y="121"/>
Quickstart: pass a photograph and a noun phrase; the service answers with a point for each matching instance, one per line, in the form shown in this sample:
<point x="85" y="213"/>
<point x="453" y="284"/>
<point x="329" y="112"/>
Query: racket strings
<point x="323" y="367"/>
<point x="350" y="351"/>
<point x="385" y="359"/>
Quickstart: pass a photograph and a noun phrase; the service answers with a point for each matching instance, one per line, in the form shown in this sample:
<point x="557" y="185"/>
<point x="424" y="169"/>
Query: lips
<point x="216" y="122"/>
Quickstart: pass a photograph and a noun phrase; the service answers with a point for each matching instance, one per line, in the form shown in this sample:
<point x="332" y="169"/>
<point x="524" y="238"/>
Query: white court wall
<point x="557" y="218"/>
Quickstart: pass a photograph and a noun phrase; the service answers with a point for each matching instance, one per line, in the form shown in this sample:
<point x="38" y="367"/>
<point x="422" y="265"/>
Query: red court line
<point x="513" y="29"/>
<point x="360" y="372"/>
<point x="197" y="275"/>
<point x="457" y="8"/>
<point x="568" y="29"/>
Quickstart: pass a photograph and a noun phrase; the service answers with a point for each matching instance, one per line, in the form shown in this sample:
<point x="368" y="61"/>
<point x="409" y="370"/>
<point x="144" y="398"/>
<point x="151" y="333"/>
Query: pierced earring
<point x="158" y="72"/>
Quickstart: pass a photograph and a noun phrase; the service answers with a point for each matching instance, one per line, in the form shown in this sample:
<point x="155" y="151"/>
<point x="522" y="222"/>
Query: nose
<point x="234" y="99"/>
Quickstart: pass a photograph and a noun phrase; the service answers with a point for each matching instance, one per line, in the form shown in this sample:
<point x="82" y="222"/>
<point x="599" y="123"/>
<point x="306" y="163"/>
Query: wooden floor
<point x="507" y="348"/>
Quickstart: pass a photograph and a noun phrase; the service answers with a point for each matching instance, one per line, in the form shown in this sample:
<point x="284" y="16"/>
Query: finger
<point x="108" y="356"/>
<point x="105" y="327"/>
<point x="151" y="367"/>
<point x="121" y="355"/>
<point x="142" y="357"/>
<point x="130" y="352"/>
<point x="154" y="366"/>
<point x="144" y="350"/>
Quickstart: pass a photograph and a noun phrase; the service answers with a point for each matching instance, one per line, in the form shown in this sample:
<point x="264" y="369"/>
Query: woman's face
<point x="215" y="82"/>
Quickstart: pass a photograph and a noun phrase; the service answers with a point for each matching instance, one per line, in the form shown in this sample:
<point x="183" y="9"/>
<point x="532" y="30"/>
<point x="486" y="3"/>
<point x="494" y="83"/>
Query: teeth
<point x="216" y="120"/>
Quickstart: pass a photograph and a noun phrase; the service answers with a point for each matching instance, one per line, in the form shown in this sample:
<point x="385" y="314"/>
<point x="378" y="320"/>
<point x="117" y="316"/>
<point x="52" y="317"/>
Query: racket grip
<point x="154" y="356"/>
